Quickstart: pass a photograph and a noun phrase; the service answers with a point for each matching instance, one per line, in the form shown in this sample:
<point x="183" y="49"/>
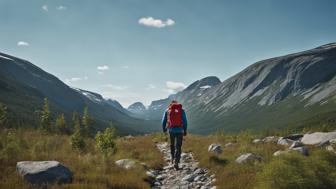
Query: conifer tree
<point x="87" y="122"/>
<point x="61" y="125"/>
<point x="3" y="115"/>
<point x="45" y="116"/>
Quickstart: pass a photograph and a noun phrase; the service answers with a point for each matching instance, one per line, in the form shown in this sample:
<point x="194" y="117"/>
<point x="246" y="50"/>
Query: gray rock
<point x="332" y="141"/>
<point x="125" y="163"/>
<point x="271" y="139"/>
<point x="216" y="148"/>
<point x="199" y="171"/>
<point x="284" y="141"/>
<point x="152" y="173"/>
<point x="248" y="157"/>
<point x="330" y="148"/>
<point x="44" y="172"/>
<point x="318" y="138"/>
<point x="189" y="178"/>
<point x="303" y="150"/>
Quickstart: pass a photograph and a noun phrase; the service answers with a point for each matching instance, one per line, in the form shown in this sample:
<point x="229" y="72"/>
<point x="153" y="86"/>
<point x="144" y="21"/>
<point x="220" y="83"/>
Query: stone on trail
<point x="125" y="163"/>
<point x="318" y="138"/>
<point x="216" y="148"/>
<point x="44" y="172"/>
<point x="248" y="157"/>
<point x="189" y="176"/>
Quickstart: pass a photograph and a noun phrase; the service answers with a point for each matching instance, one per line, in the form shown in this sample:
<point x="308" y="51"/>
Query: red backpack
<point x="175" y="115"/>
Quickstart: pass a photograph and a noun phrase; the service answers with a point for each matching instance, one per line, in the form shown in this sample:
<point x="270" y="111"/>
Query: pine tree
<point x="61" y="125"/>
<point x="3" y="115"/>
<point x="76" y="123"/>
<point x="77" y="140"/>
<point x="87" y="121"/>
<point x="45" y="117"/>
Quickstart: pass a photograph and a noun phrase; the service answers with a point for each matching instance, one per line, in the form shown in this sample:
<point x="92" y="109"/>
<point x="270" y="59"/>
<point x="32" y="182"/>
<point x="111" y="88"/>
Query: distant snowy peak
<point x="94" y="97"/>
<point x="136" y="107"/>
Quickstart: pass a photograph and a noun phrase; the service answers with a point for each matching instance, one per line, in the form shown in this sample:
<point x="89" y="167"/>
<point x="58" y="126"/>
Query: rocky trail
<point x="190" y="175"/>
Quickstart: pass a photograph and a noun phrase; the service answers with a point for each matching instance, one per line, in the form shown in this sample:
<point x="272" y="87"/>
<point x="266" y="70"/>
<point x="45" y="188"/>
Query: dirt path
<point x="189" y="175"/>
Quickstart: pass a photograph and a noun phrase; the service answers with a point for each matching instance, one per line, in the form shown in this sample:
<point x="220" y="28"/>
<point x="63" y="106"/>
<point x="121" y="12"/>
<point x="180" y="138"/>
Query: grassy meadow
<point x="94" y="170"/>
<point x="91" y="169"/>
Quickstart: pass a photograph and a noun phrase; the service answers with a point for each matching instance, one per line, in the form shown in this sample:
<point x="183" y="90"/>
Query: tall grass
<point x="91" y="169"/>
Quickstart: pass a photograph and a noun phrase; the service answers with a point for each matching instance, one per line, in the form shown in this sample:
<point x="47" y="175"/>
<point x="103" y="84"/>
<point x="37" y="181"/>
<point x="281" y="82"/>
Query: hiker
<point x="175" y="121"/>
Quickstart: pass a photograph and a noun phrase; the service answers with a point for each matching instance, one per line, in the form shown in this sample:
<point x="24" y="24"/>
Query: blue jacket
<point x="175" y="129"/>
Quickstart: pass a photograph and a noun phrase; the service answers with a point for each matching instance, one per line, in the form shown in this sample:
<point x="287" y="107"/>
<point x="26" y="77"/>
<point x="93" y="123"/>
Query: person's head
<point x="173" y="102"/>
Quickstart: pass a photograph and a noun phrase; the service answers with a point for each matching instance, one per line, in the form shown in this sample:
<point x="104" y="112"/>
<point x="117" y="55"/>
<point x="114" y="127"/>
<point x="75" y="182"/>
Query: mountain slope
<point x="23" y="87"/>
<point x="287" y="91"/>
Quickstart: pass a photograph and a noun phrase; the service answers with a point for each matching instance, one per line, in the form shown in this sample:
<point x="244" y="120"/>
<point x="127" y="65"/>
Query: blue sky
<point x="143" y="50"/>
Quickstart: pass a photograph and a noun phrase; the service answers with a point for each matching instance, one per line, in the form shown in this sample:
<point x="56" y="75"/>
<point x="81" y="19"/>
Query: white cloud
<point x="103" y="68"/>
<point x="115" y="87"/>
<point x="125" y="67"/>
<point x="174" y="87"/>
<point x="62" y="8"/>
<point x="157" y="23"/>
<point x="150" y="86"/>
<point x="100" y="73"/>
<point x="86" y="77"/>
<point x="23" y="44"/>
<point x="45" y="8"/>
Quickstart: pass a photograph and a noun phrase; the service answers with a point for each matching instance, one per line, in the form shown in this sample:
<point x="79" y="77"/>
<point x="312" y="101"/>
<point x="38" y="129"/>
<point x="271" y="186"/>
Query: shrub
<point x="105" y="141"/>
<point x="294" y="171"/>
<point x="77" y="142"/>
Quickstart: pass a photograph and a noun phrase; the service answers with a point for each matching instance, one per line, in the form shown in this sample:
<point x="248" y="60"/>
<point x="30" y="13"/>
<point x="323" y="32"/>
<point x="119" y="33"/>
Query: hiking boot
<point x="172" y="161"/>
<point x="176" y="166"/>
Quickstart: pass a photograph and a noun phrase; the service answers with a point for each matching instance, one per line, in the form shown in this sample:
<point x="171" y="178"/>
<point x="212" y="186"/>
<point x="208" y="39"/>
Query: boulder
<point x="271" y="139"/>
<point x="284" y="141"/>
<point x="248" y="157"/>
<point x="44" y="172"/>
<point x="293" y="137"/>
<point x="303" y="150"/>
<point x="125" y="163"/>
<point x="216" y="148"/>
<point x="318" y="138"/>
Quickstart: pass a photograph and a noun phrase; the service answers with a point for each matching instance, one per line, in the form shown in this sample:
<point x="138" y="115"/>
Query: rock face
<point x="44" y="172"/>
<point x="137" y="108"/>
<point x="216" y="148"/>
<point x="190" y="175"/>
<point x="248" y="157"/>
<point x="125" y="163"/>
<point x="288" y="83"/>
<point x="318" y="138"/>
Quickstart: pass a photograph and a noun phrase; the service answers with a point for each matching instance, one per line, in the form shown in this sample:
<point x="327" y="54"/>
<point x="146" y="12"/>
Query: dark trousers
<point x="176" y="145"/>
